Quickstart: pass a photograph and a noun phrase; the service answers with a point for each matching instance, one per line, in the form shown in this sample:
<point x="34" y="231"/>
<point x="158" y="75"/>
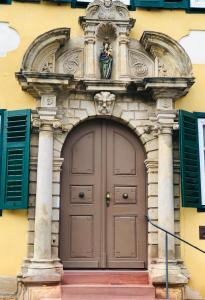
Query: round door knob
<point x="125" y="195"/>
<point x="81" y="195"/>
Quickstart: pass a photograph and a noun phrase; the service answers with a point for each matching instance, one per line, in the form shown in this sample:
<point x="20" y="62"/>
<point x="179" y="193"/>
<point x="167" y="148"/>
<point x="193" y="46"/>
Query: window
<point x="197" y="3"/>
<point x="14" y="164"/>
<point x="192" y="158"/>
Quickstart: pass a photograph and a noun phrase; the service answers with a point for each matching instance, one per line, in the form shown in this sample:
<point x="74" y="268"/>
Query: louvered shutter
<point x="5" y="1"/>
<point x="149" y="3"/>
<point x="161" y="3"/>
<point x="189" y="160"/>
<point x="15" y="160"/>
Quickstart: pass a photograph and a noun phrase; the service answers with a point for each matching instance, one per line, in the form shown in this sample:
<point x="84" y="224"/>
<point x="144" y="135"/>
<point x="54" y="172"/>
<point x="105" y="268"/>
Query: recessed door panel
<point x="125" y="195"/>
<point x="102" y="222"/>
<point x="83" y="154"/>
<point x="81" y="194"/>
<point x="123" y="155"/>
<point x="81" y="234"/>
<point x="125" y="236"/>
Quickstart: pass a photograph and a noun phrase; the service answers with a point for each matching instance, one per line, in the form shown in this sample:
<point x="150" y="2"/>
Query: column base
<point x="42" y="270"/>
<point x="40" y="279"/>
<point x="176" y="270"/>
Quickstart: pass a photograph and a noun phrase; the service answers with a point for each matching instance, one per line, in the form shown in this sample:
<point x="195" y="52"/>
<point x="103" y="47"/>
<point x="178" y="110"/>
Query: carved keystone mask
<point x="104" y="102"/>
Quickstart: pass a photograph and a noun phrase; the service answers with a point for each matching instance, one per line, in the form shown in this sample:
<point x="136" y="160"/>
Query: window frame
<point x="1" y="140"/>
<point x="201" y="126"/>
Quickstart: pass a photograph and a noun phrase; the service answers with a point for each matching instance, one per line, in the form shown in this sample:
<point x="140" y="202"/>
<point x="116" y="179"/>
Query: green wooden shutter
<point x="189" y="160"/>
<point x="149" y="3"/>
<point x="5" y="1"/>
<point x="15" y="160"/>
<point x="162" y="3"/>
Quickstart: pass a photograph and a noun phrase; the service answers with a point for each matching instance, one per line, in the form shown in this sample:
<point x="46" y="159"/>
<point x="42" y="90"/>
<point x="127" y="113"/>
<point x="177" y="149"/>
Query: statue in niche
<point x="106" y="60"/>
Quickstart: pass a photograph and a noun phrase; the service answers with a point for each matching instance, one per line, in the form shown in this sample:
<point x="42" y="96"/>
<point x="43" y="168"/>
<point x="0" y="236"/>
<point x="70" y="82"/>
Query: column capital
<point x="47" y="125"/>
<point x="90" y="40"/>
<point x="124" y="39"/>
<point x="166" y="120"/>
<point x="161" y="128"/>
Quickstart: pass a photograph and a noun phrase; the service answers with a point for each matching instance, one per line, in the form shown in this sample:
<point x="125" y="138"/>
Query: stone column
<point x="42" y="262"/>
<point x="42" y="241"/>
<point x="165" y="118"/>
<point x="165" y="191"/>
<point x="90" y="57"/>
<point x="165" y="122"/>
<point x="123" y="51"/>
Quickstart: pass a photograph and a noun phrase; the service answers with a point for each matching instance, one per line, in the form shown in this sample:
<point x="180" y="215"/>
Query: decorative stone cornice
<point x="38" y="84"/>
<point x="116" y="86"/>
<point x="167" y="87"/>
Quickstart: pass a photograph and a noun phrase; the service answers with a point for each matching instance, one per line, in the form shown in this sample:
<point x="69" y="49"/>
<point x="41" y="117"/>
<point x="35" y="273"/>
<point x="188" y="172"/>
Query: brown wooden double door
<point x="102" y="223"/>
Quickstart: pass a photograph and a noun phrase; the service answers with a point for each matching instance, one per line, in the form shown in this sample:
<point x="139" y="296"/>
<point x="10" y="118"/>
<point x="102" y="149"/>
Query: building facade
<point x="90" y="146"/>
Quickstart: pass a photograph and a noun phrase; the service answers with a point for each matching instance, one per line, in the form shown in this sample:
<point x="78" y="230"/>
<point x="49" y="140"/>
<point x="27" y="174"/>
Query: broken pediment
<point x="106" y="54"/>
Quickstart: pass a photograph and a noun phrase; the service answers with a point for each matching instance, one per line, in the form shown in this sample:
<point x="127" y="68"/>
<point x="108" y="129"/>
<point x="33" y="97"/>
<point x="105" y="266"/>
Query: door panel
<point x="126" y="227"/>
<point x="80" y="240"/>
<point x="102" y="156"/>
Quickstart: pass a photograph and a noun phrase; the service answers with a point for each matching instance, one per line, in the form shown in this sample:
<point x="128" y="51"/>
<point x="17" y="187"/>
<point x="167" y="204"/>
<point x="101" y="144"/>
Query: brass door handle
<point x="107" y="199"/>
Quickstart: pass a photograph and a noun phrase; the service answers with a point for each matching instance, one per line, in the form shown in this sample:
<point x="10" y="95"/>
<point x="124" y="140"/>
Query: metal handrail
<point x="166" y="250"/>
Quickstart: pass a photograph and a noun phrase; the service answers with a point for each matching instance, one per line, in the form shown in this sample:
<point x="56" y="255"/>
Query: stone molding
<point x="51" y="39"/>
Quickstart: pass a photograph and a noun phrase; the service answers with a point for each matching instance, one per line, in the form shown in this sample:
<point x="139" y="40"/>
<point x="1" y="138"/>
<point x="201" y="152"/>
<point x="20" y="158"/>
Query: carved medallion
<point x="140" y="69"/>
<point x="140" y="64"/>
<point x="71" y="64"/>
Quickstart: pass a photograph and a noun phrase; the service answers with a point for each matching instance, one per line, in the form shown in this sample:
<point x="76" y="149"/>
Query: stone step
<point x="91" y="297"/>
<point x="111" y="291"/>
<point x="106" y="277"/>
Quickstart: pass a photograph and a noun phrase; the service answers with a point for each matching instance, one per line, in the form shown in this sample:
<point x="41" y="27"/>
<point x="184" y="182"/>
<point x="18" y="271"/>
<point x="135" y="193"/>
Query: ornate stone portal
<point x="64" y="76"/>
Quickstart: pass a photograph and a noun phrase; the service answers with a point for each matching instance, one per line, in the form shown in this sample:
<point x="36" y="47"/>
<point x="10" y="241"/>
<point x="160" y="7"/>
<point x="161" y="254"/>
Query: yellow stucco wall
<point x="13" y="228"/>
<point x="31" y="20"/>
<point x="190" y="219"/>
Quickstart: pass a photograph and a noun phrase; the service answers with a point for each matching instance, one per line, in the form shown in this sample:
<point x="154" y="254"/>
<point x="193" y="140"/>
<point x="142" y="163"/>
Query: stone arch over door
<point x="103" y="197"/>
